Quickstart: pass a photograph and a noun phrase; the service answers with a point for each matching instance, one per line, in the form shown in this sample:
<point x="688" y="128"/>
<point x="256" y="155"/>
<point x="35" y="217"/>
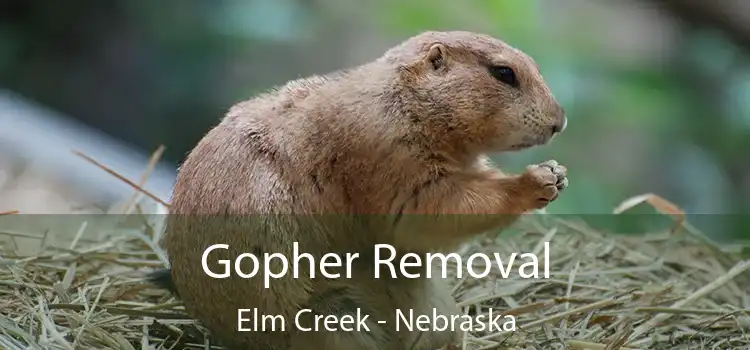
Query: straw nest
<point x="668" y="290"/>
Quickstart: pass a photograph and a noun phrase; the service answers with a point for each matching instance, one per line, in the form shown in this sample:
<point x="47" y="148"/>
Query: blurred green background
<point x="657" y="92"/>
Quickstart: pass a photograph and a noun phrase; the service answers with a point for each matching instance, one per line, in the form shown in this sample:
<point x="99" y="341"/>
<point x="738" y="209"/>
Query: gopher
<point x="394" y="151"/>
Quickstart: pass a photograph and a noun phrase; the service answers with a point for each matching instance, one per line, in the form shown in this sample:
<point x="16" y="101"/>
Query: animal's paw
<point x="543" y="182"/>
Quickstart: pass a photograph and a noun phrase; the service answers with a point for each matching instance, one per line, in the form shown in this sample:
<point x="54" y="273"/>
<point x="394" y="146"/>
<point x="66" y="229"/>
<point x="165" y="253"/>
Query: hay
<point x="656" y="291"/>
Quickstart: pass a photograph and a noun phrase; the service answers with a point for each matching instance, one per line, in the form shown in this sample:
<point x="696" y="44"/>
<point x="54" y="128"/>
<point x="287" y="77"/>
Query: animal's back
<point x="251" y="184"/>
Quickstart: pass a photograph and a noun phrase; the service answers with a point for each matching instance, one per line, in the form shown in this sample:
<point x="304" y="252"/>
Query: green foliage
<point x="400" y="17"/>
<point x="688" y="113"/>
<point x="518" y="20"/>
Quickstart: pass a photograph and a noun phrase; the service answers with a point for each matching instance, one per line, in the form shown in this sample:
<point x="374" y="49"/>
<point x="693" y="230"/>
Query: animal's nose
<point x="560" y="119"/>
<point x="560" y="127"/>
<point x="561" y="124"/>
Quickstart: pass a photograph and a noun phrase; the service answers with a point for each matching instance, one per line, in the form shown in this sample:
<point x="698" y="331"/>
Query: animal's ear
<point x="436" y="57"/>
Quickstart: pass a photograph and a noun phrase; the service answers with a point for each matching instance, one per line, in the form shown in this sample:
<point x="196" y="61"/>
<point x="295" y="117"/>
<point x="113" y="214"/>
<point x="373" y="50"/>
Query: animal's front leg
<point x="447" y="211"/>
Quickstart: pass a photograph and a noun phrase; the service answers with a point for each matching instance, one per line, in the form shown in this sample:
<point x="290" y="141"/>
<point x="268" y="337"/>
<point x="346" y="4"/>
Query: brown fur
<point x="404" y="134"/>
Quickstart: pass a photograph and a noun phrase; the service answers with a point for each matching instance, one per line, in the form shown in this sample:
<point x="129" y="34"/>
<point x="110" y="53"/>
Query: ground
<point x="663" y="290"/>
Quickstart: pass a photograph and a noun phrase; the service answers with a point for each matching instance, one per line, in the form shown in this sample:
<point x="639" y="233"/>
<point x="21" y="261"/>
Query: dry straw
<point x="668" y="290"/>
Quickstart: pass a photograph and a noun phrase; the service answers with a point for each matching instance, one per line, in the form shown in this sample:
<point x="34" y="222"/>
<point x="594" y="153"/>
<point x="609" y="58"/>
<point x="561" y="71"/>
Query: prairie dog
<point x="386" y="152"/>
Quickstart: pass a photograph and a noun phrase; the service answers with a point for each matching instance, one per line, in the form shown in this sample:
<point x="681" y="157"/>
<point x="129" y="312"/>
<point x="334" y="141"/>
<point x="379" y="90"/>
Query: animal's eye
<point x="504" y="74"/>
